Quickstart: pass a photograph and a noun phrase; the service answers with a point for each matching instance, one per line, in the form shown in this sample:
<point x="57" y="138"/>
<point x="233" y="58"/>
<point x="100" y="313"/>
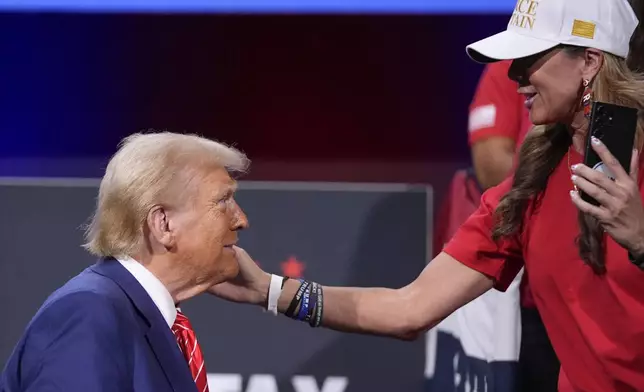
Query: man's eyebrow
<point x="228" y="190"/>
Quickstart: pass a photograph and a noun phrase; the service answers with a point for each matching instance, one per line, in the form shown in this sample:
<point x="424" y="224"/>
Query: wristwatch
<point x="638" y="261"/>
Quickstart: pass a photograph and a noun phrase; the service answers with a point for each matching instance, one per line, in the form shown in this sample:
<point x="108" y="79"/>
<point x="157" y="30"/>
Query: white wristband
<point x="274" y="292"/>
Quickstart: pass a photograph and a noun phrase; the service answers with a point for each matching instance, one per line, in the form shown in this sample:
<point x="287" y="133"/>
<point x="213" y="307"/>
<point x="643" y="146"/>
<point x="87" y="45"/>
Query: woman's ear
<point x="593" y="61"/>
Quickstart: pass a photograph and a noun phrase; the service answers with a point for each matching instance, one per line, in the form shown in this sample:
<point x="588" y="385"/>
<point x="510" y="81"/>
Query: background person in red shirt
<point x="586" y="263"/>
<point x="498" y="123"/>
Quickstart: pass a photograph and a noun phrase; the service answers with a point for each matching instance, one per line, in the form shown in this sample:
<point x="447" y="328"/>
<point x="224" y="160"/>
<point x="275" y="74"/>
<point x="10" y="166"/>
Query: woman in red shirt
<point x="581" y="259"/>
<point x="498" y="124"/>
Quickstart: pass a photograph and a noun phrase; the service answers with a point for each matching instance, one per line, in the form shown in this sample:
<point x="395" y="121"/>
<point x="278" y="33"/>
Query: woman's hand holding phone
<point x="619" y="208"/>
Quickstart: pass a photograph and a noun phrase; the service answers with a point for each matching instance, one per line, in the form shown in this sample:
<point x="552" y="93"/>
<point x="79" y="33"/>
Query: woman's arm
<point x="405" y="313"/>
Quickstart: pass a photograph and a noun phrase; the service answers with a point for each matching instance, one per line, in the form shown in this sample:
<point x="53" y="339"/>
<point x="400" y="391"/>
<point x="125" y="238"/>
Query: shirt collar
<point x="153" y="286"/>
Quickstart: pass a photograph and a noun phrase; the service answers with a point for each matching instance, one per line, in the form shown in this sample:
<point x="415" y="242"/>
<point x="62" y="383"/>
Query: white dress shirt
<point x="155" y="289"/>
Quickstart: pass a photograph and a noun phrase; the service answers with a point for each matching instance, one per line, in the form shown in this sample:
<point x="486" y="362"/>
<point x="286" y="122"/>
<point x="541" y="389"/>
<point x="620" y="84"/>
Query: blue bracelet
<point x="290" y="312"/>
<point x="304" y="307"/>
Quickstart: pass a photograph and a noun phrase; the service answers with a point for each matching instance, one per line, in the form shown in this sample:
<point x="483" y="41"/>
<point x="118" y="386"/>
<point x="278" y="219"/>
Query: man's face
<point x="207" y="229"/>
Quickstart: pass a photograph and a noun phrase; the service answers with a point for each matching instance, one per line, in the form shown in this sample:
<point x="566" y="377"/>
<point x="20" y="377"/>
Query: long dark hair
<point x="619" y="82"/>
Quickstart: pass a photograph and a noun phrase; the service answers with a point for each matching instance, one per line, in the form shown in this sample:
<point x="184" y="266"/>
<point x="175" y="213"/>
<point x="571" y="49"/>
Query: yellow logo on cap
<point x="583" y="29"/>
<point x="524" y="14"/>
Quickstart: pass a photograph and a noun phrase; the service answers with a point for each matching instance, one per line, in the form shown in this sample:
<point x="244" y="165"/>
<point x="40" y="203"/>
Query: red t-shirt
<point x="595" y="323"/>
<point x="497" y="110"/>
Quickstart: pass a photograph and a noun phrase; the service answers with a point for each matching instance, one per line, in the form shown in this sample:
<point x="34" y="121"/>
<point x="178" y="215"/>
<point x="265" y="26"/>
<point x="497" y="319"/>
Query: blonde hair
<point x="545" y="147"/>
<point x="149" y="169"/>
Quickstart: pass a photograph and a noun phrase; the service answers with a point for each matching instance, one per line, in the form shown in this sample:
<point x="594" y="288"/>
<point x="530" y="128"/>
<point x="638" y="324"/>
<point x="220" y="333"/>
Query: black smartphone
<point x="615" y="126"/>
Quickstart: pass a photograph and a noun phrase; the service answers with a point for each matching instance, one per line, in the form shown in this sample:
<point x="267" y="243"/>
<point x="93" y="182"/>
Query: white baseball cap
<point x="539" y="25"/>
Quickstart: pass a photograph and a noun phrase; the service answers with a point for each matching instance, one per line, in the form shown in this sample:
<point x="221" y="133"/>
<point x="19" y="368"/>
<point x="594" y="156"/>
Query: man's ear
<point x="593" y="61"/>
<point x="158" y="222"/>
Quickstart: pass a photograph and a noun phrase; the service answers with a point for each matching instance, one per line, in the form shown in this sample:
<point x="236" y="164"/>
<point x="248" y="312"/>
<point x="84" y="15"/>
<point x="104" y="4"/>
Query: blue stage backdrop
<point x="263" y="6"/>
<point x="282" y="87"/>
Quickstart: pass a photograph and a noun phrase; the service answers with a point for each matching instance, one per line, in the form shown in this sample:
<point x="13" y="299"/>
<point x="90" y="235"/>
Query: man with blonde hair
<point x="164" y="227"/>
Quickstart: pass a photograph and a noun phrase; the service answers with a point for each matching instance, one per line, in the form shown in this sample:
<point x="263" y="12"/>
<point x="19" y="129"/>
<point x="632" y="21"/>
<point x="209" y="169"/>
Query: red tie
<point x="187" y="340"/>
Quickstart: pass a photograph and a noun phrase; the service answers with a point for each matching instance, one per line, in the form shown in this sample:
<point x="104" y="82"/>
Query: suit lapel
<point x="158" y="335"/>
<point x="173" y="363"/>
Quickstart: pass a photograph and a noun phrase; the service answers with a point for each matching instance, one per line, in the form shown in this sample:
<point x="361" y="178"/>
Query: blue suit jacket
<point x="100" y="332"/>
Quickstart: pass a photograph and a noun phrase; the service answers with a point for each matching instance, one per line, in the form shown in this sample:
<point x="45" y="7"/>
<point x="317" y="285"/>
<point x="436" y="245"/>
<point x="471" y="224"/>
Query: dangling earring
<point x="587" y="98"/>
